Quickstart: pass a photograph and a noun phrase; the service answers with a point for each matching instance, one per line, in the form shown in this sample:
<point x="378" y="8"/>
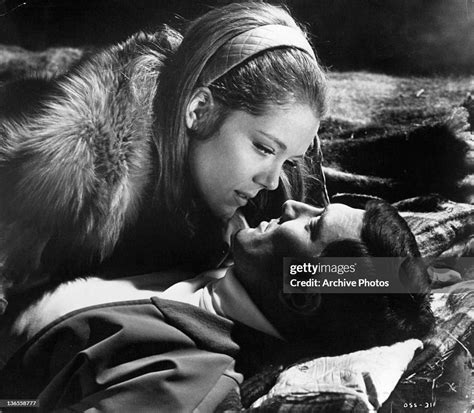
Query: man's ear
<point x="199" y="107"/>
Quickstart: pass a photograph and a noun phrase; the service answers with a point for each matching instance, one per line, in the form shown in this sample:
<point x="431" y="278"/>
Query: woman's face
<point x="247" y="155"/>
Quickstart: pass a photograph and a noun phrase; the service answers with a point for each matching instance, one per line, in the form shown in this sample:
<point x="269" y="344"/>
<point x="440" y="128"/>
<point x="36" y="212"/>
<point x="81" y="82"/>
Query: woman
<point x="144" y="155"/>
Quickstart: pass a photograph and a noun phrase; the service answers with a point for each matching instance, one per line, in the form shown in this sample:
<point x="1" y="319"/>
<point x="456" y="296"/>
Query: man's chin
<point x="234" y="238"/>
<point x="241" y="240"/>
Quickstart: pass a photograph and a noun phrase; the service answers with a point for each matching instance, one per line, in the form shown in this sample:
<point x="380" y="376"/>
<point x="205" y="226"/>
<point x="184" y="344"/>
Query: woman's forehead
<point x="278" y="119"/>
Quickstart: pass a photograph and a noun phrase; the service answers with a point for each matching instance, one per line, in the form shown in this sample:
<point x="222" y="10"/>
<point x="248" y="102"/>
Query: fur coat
<point x="77" y="168"/>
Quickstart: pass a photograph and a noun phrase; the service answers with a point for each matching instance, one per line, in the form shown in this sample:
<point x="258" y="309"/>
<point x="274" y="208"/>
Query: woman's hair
<point x="279" y="76"/>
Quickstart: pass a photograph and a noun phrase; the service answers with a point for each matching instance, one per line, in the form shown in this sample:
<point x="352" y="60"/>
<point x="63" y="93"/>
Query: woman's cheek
<point x="242" y="163"/>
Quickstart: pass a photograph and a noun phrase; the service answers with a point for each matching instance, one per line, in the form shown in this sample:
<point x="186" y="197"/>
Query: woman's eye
<point x="264" y="149"/>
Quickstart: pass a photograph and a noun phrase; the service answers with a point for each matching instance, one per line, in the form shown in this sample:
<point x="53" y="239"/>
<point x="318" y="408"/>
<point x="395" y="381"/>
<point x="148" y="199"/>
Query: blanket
<point x="399" y="138"/>
<point x="438" y="378"/>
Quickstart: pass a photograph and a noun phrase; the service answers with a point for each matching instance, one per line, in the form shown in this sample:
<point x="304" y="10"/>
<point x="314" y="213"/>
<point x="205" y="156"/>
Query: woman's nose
<point x="295" y="209"/>
<point x="269" y="178"/>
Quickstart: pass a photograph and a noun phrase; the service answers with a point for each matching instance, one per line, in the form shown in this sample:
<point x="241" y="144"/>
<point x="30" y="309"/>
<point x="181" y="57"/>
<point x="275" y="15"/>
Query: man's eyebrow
<point x="298" y="157"/>
<point x="273" y="138"/>
<point x="315" y="227"/>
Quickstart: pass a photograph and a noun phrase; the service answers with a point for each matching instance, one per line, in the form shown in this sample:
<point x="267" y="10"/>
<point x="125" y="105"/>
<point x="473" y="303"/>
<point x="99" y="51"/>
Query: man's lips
<point x="268" y="226"/>
<point x="263" y="226"/>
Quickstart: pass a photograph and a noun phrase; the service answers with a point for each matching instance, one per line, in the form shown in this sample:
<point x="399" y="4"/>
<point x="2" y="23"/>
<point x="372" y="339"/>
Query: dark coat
<point x="146" y="355"/>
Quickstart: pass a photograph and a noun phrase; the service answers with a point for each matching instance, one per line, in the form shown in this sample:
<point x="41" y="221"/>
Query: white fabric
<point x="207" y="290"/>
<point x="370" y="374"/>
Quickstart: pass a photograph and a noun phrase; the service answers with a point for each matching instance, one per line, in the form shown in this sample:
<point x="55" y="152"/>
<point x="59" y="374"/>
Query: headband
<point x="249" y="43"/>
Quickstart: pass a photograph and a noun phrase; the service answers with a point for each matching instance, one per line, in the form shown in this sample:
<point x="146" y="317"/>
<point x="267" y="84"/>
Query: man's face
<point x="303" y="231"/>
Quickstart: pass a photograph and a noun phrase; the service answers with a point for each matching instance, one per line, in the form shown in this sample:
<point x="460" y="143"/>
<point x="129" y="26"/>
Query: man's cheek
<point x="287" y="247"/>
<point x="297" y="243"/>
<point x="327" y="234"/>
<point x="279" y="246"/>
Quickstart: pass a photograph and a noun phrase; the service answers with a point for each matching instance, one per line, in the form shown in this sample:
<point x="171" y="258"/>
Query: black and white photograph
<point x="237" y="206"/>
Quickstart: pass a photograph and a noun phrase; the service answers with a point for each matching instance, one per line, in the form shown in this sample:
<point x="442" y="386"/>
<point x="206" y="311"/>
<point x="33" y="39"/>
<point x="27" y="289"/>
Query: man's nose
<point x="269" y="179"/>
<point x="295" y="209"/>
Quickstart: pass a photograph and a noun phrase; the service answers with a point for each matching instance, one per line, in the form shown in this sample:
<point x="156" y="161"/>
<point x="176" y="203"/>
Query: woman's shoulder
<point x="116" y="83"/>
<point x="124" y="74"/>
<point x="80" y="162"/>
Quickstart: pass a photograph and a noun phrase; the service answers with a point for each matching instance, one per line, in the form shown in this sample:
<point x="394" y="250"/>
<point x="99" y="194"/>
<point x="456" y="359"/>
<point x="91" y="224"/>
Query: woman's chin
<point x="226" y="214"/>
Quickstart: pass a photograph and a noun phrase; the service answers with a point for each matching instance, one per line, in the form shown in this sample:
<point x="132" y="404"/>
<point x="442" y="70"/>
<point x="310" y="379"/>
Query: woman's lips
<point x="241" y="198"/>
<point x="244" y="197"/>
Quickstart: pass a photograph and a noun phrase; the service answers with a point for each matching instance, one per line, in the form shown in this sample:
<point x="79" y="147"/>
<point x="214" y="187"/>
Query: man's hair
<point x="373" y="319"/>
<point x="273" y="77"/>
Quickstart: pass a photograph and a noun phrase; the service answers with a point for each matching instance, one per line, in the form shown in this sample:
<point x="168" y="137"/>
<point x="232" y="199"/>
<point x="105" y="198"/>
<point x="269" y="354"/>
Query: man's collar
<point x="230" y="299"/>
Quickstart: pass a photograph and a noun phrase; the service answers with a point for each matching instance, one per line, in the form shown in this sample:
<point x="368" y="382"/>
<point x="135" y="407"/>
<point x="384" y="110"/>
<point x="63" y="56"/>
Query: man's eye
<point x="291" y="164"/>
<point x="314" y="228"/>
<point x="264" y="149"/>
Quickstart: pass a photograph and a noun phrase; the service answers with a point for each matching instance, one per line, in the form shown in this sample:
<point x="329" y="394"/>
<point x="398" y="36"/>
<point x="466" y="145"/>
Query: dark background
<point x="393" y="36"/>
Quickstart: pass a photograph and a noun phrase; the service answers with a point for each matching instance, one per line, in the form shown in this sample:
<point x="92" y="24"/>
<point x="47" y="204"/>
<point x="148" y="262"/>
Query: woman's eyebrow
<point x="273" y="138"/>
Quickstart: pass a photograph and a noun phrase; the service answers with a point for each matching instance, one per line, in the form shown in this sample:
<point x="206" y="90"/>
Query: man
<point x="174" y="346"/>
<point x="338" y="231"/>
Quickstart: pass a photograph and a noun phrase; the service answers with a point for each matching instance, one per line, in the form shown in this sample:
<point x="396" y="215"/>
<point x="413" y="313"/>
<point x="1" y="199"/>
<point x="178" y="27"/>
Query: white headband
<point x="251" y="42"/>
